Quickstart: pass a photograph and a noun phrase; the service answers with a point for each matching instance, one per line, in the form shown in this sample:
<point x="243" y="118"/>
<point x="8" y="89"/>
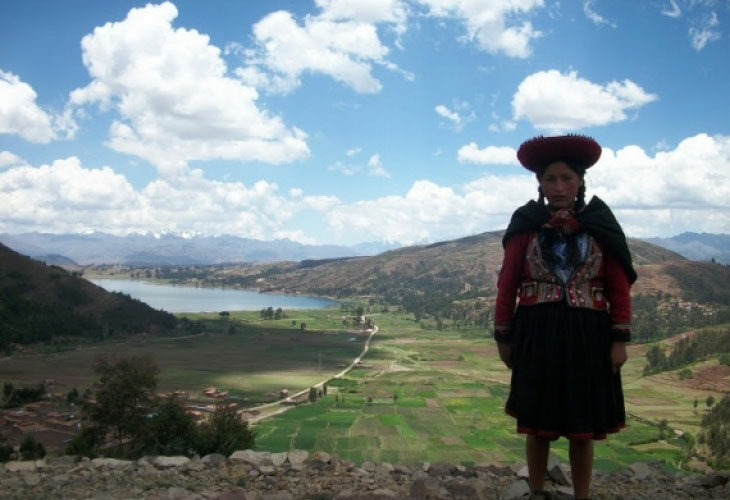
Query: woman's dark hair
<point x="550" y="236"/>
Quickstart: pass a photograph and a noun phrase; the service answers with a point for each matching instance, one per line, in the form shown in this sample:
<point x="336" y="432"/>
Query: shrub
<point x="86" y="442"/>
<point x="171" y="430"/>
<point x="685" y="373"/>
<point x="30" y="449"/>
<point x="6" y="451"/>
<point x="224" y="433"/>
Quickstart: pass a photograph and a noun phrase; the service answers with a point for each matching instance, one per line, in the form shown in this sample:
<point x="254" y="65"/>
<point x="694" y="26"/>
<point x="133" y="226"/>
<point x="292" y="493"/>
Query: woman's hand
<point x="505" y="351"/>
<point x="618" y="356"/>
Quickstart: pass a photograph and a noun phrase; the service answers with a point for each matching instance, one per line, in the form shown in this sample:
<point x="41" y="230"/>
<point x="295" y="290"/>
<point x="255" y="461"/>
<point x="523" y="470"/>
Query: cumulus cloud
<point x="705" y="31"/>
<point x="67" y="197"/>
<point x="490" y="155"/>
<point x="353" y="151"/>
<point x="494" y="26"/>
<point x="683" y="189"/>
<point x="366" y="11"/>
<point x="558" y="102"/>
<point x="594" y="16"/>
<point x="8" y="159"/>
<point x="174" y="101"/>
<point x="21" y="115"/>
<point x="342" y="43"/>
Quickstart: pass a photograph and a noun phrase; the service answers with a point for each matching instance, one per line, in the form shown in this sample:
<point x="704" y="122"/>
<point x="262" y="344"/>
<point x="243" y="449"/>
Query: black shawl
<point x="595" y="218"/>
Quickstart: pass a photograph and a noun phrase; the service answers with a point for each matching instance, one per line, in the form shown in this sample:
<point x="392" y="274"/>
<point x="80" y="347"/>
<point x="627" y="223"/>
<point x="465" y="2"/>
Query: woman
<point x="567" y="266"/>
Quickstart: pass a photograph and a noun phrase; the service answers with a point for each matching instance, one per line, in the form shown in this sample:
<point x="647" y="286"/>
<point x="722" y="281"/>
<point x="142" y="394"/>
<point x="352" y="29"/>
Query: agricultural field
<point x="429" y="395"/>
<point x="253" y="365"/>
<point x="421" y="394"/>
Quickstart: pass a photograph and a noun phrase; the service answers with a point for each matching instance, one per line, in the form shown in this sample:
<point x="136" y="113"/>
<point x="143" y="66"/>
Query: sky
<point x="348" y="121"/>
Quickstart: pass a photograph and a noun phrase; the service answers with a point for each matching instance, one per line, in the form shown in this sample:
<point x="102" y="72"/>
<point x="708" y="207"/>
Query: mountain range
<point x="171" y="249"/>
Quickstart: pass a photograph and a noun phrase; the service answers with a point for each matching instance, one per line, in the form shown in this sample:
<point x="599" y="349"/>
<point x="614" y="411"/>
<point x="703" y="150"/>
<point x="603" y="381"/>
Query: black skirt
<point x="562" y="380"/>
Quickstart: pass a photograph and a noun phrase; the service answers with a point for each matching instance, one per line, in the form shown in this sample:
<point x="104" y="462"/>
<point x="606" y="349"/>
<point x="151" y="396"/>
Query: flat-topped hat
<point x="579" y="150"/>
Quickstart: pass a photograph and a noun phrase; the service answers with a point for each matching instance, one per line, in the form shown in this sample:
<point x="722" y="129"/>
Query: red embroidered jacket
<point x="599" y="283"/>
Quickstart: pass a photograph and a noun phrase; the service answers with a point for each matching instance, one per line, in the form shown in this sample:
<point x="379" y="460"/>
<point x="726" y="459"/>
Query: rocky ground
<point x="249" y="475"/>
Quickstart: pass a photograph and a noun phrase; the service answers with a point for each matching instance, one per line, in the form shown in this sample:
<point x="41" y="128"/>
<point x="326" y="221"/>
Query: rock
<point x="252" y="457"/>
<point x="31" y="479"/>
<point x="640" y="470"/>
<point x="62" y="461"/>
<point x="523" y="472"/>
<point x="20" y="466"/>
<point x="166" y="462"/>
<point x="235" y="494"/>
<point x="297" y="457"/>
<point x="213" y="459"/>
<point x="461" y="489"/>
<point x="177" y="493"/>
<point x="384" y="493"/>
<point x="267" y="470"/>
<point x="494" y="469"/>
<point x="111" y="463"/>
<point x="281" y="495"/>
<point x="711" y="480"/>
<point x="368" y="466"/>
<point x="421" y="489"/>
<point x="322" y="456"/>
<point x="278" y="459"/>
<point x="558" y="473"/>
<point x="440" y="470"/>
<point x="517" y="489"/>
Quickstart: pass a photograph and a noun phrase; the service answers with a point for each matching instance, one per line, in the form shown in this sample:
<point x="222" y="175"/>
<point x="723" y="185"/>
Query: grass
<point x="425" y="395"/>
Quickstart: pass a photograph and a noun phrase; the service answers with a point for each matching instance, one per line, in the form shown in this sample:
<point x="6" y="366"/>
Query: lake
<point x="192" y="299"/>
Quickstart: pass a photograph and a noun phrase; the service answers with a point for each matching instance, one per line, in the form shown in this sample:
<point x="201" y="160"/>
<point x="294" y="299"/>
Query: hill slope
<point x="41" y="303"/>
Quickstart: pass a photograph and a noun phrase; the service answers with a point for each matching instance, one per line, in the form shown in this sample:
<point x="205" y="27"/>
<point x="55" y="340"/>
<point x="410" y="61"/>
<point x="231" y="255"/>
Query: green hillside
<point x="41" y="303"/>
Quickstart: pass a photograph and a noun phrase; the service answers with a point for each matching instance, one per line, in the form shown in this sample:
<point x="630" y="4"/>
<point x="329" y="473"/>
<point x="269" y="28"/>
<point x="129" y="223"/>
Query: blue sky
<point x="343" y="121"/>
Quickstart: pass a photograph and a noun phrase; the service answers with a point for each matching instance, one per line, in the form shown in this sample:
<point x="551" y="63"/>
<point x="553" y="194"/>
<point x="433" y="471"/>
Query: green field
<point x="255" y="363"/>
<point x="421" y="395"/>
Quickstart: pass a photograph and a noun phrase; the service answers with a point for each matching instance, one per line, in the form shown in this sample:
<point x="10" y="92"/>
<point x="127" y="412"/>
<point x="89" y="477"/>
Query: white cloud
<point x="594" y="16"/>
<point x="672" y="10"/>
<point x="490" y="155"/>
<point x="366" y="11"/>
<point x="21" y="115"/>
<point x="8" y="159"/>
<point x="353" y="151"/>
<point x="375" y="167"/>
<point x="494" y="26"/>
<point x="705" y="31"/>
<point x="66" y="197"/>
<point x="452" y="116"/>
<point x="342" y="49"/>
<point x="685" y="189"/>
<point x="558" y="102"/>
<point x="173" y="98"/>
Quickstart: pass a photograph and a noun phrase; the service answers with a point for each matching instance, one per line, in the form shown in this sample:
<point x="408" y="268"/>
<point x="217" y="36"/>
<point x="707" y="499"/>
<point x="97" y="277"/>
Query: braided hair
<point x="548" y="236"/>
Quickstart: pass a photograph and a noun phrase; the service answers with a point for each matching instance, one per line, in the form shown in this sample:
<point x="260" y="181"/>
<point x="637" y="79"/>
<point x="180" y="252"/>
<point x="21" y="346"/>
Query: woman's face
<point x="560" y="184"/>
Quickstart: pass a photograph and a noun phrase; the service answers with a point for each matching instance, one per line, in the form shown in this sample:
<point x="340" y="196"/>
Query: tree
<point x="312" y="394"/>
<point x="171" y="431"/>
<point x="73" y="396"/>
<point x="279" y="313"/>
<point x="224" y="314"/>
<point x="695" y="403"/>
<point x="303" y="326"/>
<point x="293" y="322"/>
<point x="710" y="401"/>
<point x="124" y="398"/>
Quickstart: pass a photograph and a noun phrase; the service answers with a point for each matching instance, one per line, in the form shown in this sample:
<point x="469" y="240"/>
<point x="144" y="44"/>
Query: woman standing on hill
<point x="567" y="265"/>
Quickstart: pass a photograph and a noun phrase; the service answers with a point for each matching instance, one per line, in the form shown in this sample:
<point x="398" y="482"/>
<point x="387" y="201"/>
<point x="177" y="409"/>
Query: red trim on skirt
<point x="553" y="435"/>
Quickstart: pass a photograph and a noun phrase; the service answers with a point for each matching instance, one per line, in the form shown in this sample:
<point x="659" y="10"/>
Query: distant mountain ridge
<point x="698" y="246"/>
<point x="170" y="249"/>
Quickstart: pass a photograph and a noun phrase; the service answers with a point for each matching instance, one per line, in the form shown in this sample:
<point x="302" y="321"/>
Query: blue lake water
<point x="192" y="299"/>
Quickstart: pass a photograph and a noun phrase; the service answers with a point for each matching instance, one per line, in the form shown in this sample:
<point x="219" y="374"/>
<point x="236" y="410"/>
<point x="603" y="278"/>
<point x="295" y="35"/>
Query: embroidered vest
<point x="583" y="289"/>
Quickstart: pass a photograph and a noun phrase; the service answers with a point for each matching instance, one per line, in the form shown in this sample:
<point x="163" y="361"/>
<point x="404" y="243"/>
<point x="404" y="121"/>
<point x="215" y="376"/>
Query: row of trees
<point x="689" y="350"/>
<point x="126" y="419"/>
<point x="716" y="433"/>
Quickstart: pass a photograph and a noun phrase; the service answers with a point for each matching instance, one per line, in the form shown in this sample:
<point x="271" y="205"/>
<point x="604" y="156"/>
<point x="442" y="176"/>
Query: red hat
<point x="539" y="152"/>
